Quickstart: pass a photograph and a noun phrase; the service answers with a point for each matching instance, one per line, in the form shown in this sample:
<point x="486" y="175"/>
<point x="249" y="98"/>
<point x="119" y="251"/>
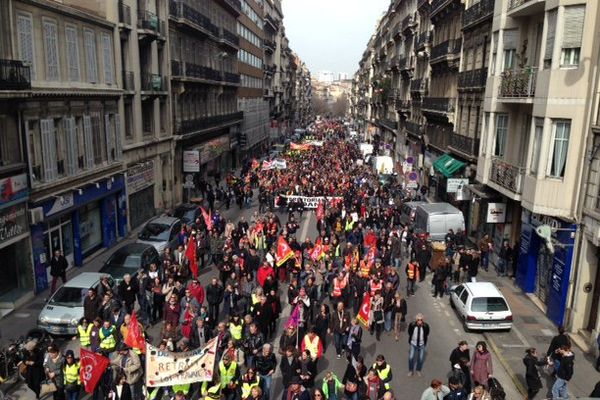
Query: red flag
<point x="92" y="367"/>
<point x="294" y="318"/>
<point x="317" y="253"/>
<point x="190" y="254"/>
<point x="207" y="219"/>
<point x="320" y="211"/>
<point x="284" y="252"/>
<point x="365" y="310"/>
<point x="135" y="335"/>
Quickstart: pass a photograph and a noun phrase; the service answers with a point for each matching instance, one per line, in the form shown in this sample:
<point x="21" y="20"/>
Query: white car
<point x="481" y="306"/>
<point x="161" y="232"/>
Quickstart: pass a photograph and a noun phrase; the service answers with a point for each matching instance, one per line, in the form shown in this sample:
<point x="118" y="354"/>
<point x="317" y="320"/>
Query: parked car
<point x="436" y="219"/>
<point x="64" y="309"/>
<point x="408" y="211"/>
<point x="187" y="213"/>
<point x="129" y="259"/>
<point x="161" y="232"/>
<point x="481" y="306"/>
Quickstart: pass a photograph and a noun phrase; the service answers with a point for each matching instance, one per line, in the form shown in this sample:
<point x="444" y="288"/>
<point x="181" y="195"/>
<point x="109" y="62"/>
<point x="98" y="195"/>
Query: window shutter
<point x="118" y="144"/>
<point x="49" y="149"/>
<point x="573" y="28"/>
<point x="108" y="59"/>
<point x="110" y="153"/>
<point x="510" y="39"/>
<point x="51" y="47"/>
<point x="72" y="53"/>
<point x="25" y="32"/>
<point x="550" y="35"/>
<point x="71" y="145"/>
<point x="87" y="141"/>
<point x="90" y="56"/>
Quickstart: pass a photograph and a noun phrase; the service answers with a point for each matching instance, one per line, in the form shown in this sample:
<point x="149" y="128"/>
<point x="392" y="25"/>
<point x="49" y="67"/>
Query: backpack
<point x="495" y="389"/>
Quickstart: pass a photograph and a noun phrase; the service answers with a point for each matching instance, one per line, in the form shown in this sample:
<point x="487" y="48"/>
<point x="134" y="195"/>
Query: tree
<point x="320" y="106"/>
<point x="340" y="107"/>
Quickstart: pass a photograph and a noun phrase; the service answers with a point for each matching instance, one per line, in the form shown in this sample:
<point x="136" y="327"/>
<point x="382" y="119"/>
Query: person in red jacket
<point x="370" y="240"/>
<point x="264" y="271"/>
<point x="197" y="291"/>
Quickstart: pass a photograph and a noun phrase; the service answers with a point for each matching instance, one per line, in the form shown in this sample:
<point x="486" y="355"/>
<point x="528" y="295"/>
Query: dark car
<point x="187" y="213"/>
<point x="129" y="259"/>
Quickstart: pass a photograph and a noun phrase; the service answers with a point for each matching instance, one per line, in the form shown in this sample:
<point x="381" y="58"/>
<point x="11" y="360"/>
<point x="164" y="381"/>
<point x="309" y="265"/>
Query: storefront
<point x="140" y="190"/>
<point x="542" y="273"/>
<point x="78" y="223"/>
<point x="15" y="246"/>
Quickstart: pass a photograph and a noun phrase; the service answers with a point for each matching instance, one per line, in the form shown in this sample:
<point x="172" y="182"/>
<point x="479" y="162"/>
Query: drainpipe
<point x="589" y="152"/>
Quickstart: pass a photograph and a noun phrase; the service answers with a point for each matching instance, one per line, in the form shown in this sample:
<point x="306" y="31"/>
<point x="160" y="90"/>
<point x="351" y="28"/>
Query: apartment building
<point x="204" y="50"/>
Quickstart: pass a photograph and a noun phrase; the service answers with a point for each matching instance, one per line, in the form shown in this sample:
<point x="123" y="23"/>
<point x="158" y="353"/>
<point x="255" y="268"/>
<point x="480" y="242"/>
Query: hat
<point x="69" y="353"/>
<point x="295" y="380"/>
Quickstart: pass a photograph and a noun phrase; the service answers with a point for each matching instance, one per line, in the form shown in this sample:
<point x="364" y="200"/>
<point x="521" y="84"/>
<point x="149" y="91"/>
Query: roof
<point x="481" y="289"/>
<point x="414" y="204"/>
<point x="166" y="220"/>
<point x="84" y="280"/>
<point x="439" y="208"/>
<point x="133" y="248"/>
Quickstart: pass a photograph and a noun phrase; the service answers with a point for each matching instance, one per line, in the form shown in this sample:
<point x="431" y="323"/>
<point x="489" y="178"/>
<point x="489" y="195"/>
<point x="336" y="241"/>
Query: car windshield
<point x="123" y="259"/>
<point x="155" y="232"/>
<point x="489" y="304"/>
<point x="69" y="296"/>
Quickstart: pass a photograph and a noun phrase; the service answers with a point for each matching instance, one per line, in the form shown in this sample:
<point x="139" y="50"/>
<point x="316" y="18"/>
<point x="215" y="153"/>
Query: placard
<point x="140" y="176"/>
<point x="496" y="213"/>
<point x="456" y="184"/>
<point x="191" y="161"/>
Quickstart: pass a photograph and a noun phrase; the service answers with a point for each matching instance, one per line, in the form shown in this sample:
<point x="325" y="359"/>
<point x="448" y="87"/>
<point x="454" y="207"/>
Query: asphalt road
<point x="446" y="332"/>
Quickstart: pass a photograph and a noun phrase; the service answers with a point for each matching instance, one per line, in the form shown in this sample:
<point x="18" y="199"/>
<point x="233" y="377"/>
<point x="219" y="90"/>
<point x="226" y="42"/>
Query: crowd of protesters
<point x="360" y="249"/>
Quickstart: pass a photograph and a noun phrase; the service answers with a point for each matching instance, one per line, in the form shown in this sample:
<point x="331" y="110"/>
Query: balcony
<point x="438" y="137"/>
<point x="518" y="83"/>
<point x="423" y="3"/>
<point x="446" y="51"/>
<point x="270" y="21"/>
<point x="418" y="85"/>
<point x="230" y="38"/>
<point x="439" y="5"/>
<point x="403" y="105"/>
<point x="473" y="80"/>
<point x="234" y="5"/>
<point x="204" y="123"/>
<point x="413" y="128"/>
<point x="423" y="39"/>
<point x="477" y="13"/>
<point x="231" y="77"/>
<point x="516" y="3"/>
<point x="408" y="24"/>
<point x="153" y="83"/>
<point x="149" y="22"/>
<point x="14" y="75"/>
<point x="269" y="45"/>
<point x="124" y="14"/>
<point x="506" y="175"/>
<point x="189" y="70"/>
<point x="442" y="105"/>
<point x="128" y="81"/>
<point x="388" y="124"/>
<point x="192" y="18"/>
<point x="396" y="31"/>
<point x="463" y="144"/>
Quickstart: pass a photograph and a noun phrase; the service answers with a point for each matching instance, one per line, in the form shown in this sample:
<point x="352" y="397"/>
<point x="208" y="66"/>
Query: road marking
<point x="457" y="331"/>
<point x="520" y="336"/>
<point x="305" y="227"/>
<point x="514" y="346"/>
<point x="547" y="332"/>
<point x="447" y="314"/>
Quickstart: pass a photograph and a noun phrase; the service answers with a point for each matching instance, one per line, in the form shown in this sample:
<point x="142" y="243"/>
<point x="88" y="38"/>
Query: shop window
<point x="90" y="228"/>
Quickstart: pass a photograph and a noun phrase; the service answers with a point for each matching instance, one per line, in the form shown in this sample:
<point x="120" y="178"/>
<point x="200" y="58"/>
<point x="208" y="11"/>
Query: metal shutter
<point x="110" y="153"/>
<point x="25" y="32"/>
<point x="48" y="149"/>
<point x="51" y="47"/>
<point x="71" y="145"/>
<point x="550" y="34"/>
<point x="72" y="53"/>
<point x="108" y="59"/>
<point x="118" y="144"/>
<point x="87" y="141"/>
<point x="573" y="28"/>
<point x="90" y="56"/>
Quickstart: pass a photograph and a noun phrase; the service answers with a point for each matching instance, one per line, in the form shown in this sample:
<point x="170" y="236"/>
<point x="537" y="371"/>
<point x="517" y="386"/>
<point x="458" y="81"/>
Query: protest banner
<point x="313" y="202"/>
<point x="165" y="368"/>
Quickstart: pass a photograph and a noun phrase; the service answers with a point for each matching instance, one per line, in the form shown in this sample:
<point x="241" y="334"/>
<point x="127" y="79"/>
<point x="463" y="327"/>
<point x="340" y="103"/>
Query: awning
<point x="448" y="165"/>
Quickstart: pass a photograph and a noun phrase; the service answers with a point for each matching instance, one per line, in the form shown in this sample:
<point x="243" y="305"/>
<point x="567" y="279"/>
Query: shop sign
<point x="140" y="176"/>
<point x="13" y="222"/>
<point x="496" y="213"/>
<point x="191" y="161"/>
<point x="456" y="184"/>
<point x="539" y="219"/>
<point x="61" y="203"/>
<point x="13" y="188"/>
<point x="213" y="149"/>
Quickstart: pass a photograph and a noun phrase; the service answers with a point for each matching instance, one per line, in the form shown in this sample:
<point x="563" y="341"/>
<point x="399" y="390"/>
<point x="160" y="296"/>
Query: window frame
<point x="500" y="147"/>
<point x="73" y="63"/>
<point x="552" y="153"/>
<point x="50" y="43"/>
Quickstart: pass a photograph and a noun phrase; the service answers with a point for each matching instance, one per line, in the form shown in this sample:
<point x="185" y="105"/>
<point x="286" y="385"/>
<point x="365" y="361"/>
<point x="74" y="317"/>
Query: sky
<point x="331" y="35"/>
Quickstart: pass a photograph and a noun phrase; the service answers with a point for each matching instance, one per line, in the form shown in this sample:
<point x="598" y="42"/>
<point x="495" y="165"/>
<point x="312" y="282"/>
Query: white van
<point x="384" y="165"/>
<point x="437" y="218"/>
<point x="481" y="306"/>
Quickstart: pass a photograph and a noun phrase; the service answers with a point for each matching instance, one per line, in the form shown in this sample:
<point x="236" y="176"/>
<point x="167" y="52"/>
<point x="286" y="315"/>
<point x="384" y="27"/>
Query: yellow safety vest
<point x="247" y="387"/>
<point x="84" y="335"/>
<point x="312" y="346"/>
<point x="349" y="225"/>
<point x="108" y="342"/>
<point x="227" y="374"/>
<point x="211" y="393"/>
<point x="72" y="374"/>
<point x="255" y="300"/>
<point x="185" y="388"/>
<point x="236" y="330"/>
<point x="383" y="374"/>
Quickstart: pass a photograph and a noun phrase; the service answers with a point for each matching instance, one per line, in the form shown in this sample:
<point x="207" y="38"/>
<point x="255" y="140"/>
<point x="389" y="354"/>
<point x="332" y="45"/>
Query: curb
<point x="506" y="365"/>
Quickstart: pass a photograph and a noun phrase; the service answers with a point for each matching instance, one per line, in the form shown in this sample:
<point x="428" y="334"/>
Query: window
<point x="536" y="146"/>
<point x="70" y="145"/>
<point x="494" y="52"/>
<point x="98" y="143"/>
<point x="572" y="35"/>
<point x="128" y="120"/>
<point x="51" y="50"/>
<point x="25" y="33"/>
<point x="550" y="35"/>
<point x="510" y="49"/>
<point x="501" y="134"/>
<point x="107" y="57"/>
<point x="72" y="53"/>
<point x="509" y="59"/>
<point x="88" y="142"/>
<point x="118" y="143"/>
<point x="90" y="56"/>
<point x="108" y="133"/>
<point x="48" y="135"/>
<point x="560" y="147"/>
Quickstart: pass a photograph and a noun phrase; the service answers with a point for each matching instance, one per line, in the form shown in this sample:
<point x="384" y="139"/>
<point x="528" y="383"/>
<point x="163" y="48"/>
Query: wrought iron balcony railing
<point x="413" y="128"/>
<point x="477" y="12"/>
<point x="231" y="77"/>
<point x="472" y="80"/>
<point x="507" y="175"/>
<point x="14" y="75"/>
<point x="230" y="37"/>
<point x="124" y="13"/>
<point x="439" y="104"/>
<point x="447" y="48"/>
<point x="152" y="82"/>
<point x="418" y="85"/>
<point x="203" y="123"/>
<point x="423" y="39"/>
<point x="518" y="83"/>
<point x="465" y="144"/>
<point x="149" y="21"/>
<point x="516" y="3"/>
<point x="179" y="9"/>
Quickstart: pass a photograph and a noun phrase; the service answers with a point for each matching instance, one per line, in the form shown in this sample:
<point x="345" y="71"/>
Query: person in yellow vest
<point x="384" y="371"/>
<point x="236" y="328"/>
<point x="212" y="390"/>
<point x="184" y="389"/>
<point x="312" y="343"/>
<point x="71" y="373"/>
<point x="412" y="276"/>
<point x="230" y="376"/>
<point x="108" y="337"/>
<point x="249" y="380"/>
<point x="84" y="332"/>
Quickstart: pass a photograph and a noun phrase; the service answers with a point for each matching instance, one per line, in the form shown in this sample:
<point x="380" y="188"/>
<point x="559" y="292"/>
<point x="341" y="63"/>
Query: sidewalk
<point x="533" y="329"/>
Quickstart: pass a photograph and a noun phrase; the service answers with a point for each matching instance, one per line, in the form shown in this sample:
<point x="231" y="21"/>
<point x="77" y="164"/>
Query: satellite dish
<point x="545" y="232"/>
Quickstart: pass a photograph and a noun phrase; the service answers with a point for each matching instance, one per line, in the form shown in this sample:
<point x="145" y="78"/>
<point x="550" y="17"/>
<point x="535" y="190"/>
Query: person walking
<point x="376" y="317"/>
<point x="399" y="314"/>
<point x="481" y="366"/>
<point x="340" y="325"/>
<point x="504" y="259"/>
<point x="58" y="269"/>
<point x="418" y="333"/>
<point x="485" y="246"/>
<point x="71" y="373"/>
<point x="412" y="276"/>
<point x="564" y="373"/>
<point x="54" y="364"/>
<point x="383" y="370"/>
<point x="532" y="376"/>
<point x="435" y="391"/>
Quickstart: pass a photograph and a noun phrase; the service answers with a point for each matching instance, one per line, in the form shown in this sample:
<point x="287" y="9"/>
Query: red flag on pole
<point x="190" y="254"/>
<point x="92" y="367"/>
<point x="294" y="318"/>
<point x="135" y="335"/>
<point x="365" y="309"/>
<point x="284" y="252"/>
<point x="320" y="211"/>
<point x="317" y="253"/>
<point x="207" y="219"/>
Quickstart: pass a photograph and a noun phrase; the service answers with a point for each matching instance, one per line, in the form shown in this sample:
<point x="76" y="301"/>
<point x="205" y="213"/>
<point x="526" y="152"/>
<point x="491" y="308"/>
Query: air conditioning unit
<point x="36" y="215"/>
